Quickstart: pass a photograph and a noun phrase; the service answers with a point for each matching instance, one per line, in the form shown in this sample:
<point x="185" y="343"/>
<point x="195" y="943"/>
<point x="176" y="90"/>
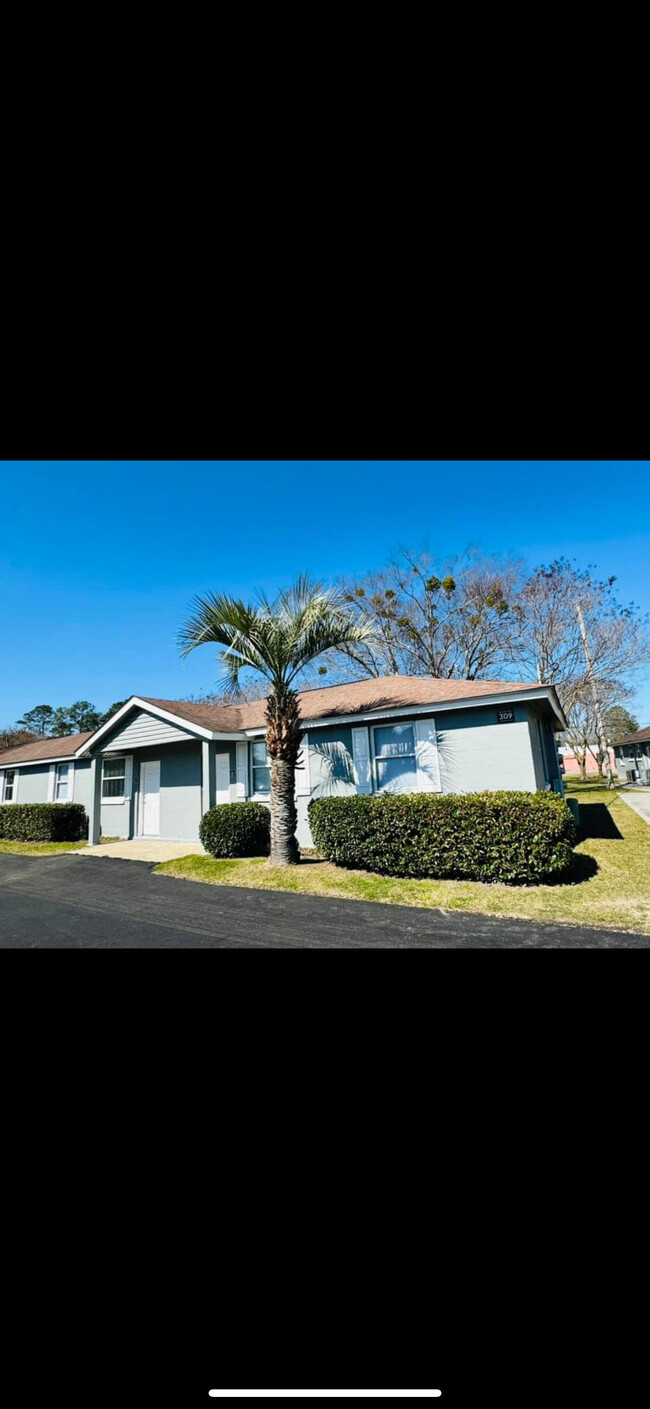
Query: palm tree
<point x="278" y="639"/>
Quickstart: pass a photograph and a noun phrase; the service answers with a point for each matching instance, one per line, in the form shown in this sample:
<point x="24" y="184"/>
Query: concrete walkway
<point x="639" y="800"/>
<point x="142" y="849"/>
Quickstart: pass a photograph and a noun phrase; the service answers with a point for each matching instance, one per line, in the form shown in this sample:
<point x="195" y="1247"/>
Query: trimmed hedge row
<point x="515" y="837"/>
<point x="236" y="829"/>
<point x="43" y="821"/>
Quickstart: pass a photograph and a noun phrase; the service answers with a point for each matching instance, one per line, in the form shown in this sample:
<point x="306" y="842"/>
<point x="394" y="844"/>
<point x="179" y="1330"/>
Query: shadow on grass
<point x="583" y="868"/>
<point x="597" y="821"/>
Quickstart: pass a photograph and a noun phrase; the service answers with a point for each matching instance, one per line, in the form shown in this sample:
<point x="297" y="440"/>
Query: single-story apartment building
<point x="156" y="766"/>
<point x="633" y="757"/>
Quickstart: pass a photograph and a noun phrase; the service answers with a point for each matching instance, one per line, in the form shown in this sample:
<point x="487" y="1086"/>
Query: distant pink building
<point x="571" y="765"/>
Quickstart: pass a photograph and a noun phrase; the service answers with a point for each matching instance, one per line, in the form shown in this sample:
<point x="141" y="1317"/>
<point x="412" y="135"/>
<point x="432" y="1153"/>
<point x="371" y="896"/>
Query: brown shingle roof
<point x="642" y="736"/>
<point x="359" y="696"/>
<point x="43" y="749"/>
<point x="215" y="717"/>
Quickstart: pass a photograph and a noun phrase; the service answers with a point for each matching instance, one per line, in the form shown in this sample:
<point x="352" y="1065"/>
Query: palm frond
<point x="277" y="639"/>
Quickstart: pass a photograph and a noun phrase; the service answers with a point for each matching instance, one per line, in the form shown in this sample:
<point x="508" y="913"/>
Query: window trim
<point x="113" y="758"/>
<point x="14" y="786"/>
<point x="380" y="758"/>
<point x="67" y="783"/>
<point x="254" y="767"/>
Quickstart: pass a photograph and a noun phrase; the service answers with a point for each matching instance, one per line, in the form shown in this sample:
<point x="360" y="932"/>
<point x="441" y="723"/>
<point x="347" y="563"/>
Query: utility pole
<point x="594" y="690"/>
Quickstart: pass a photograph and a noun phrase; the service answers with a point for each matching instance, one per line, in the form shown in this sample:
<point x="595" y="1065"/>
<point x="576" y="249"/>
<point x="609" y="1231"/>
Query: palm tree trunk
<point x="283" y="735"/>
<point x="284" y="847"/>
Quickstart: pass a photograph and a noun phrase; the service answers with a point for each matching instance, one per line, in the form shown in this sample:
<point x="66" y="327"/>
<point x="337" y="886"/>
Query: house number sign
<point x="505" y="716"/>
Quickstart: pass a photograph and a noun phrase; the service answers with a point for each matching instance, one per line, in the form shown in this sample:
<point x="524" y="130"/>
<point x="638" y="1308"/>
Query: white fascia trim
<point x="36" y="762"/>
<point x="400" y="711"/>
<point x="136" y="703"/>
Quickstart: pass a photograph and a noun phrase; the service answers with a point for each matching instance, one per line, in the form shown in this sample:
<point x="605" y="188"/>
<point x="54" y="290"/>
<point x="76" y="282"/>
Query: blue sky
<point x="99" y="559"/>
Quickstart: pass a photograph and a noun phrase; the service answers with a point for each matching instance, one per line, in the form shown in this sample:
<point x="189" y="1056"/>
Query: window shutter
<point x="242" y="770"/>
<point x="51" y="783"/>
<point x="361" y="751"/>
<point x="2" y="784"/>
<point x="426" y="753"/>
<point x="128" y="775"/>
<point x="303" y="780"/>
<point x="70" y="782"/>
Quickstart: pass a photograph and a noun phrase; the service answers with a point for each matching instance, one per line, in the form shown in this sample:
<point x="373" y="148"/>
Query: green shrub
<point x="515" y="837"/>
<point x="43" y="821"/>
<point x="236" y="829"/>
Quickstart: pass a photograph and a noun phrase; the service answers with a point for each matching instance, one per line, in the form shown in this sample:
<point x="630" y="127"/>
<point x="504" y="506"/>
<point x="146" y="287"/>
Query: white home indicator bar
<point x="325" y="1393"/>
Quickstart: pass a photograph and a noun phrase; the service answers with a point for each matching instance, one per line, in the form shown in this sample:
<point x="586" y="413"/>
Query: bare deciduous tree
<point x="582" y="734"/>
<point x="12" y="737"/>
<point x="249" y="691"/>
<point x="477" y="617"/>
<point x="450" y="619"/>
<point x="548" y="646"/>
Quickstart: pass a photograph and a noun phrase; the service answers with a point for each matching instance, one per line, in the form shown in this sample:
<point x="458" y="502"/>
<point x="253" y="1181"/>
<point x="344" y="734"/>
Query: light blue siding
<point x="180" y="793"/>
<point x="477" y="754"/>
<point x="142" y="730"/>
<point x="331" y="772"/>
<point x="303" y="830"/>
<point x="116" y="819"/>
<point x="33" y="783"/>
<point x="82" y="784"/>
<point x="331" y="762"/>
<point x="621" y="754"/>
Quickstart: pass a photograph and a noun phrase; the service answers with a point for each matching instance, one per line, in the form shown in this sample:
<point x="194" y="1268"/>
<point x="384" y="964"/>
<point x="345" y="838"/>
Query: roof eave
<point x="533" y="692"/>
<point x="136" y="702"/>
<point x="34" y="762"/>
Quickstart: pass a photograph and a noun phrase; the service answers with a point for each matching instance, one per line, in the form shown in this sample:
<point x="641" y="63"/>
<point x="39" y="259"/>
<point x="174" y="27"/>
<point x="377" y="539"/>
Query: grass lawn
<point x="611" y="886"/>
<point x="39" y="848"/>
<point x="45" y="848"/>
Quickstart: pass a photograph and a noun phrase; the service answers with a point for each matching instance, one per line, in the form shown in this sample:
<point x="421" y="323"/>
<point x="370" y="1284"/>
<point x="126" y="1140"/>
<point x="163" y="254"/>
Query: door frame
<point x="141" y="831"/>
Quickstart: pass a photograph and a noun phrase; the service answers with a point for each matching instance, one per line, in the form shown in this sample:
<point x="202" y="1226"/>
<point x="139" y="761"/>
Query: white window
<point x="113" y="778"/>
<point x="395" y="763"/>
<point x="62" y="782"/>
<point x="10" y="785"/>
<point x="261" y="768"/>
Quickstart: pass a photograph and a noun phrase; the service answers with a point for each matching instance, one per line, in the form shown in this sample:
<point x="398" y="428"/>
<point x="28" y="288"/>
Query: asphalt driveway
<point x="66" y="902"/>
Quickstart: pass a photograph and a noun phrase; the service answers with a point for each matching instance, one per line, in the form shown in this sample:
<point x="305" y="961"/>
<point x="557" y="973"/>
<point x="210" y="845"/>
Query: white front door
<point x="223" y="777"/>
<point x="150" y="798"/>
